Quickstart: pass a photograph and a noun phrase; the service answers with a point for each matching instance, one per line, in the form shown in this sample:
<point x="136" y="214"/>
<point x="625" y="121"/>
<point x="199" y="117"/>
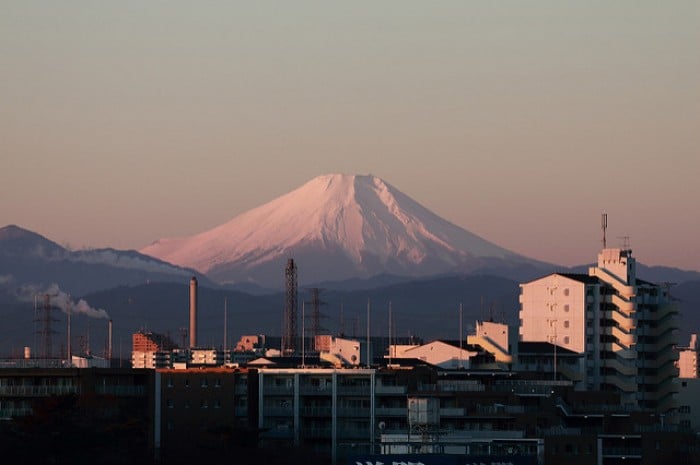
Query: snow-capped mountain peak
<point x="336" y="226"/>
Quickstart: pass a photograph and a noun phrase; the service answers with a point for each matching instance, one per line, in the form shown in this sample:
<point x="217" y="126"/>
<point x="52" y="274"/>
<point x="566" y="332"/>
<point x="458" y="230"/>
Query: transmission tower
<point x="183" y="337"/>
<point x="44" y="319"/>
<point x="316" y="314"/>
<point x="290" y="308"/>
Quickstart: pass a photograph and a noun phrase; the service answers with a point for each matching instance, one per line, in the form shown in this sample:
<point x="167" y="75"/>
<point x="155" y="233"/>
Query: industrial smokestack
<point x="193" y="312"/>
<point x="109" y="342"/>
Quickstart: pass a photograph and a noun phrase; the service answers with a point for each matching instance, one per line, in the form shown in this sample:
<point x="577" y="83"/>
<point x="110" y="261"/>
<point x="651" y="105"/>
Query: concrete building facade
<point x="624" y="326"/>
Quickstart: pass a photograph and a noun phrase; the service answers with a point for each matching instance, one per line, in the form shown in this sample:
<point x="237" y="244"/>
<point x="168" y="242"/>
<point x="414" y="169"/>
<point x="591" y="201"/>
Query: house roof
<point x="584" y="278"/>
<point x="543" y="348"/>
<point x="581" y="277"/>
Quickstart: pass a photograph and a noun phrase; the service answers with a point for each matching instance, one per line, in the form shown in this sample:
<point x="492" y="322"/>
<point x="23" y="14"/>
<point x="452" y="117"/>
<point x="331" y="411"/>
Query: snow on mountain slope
<point x="343" y="226"/>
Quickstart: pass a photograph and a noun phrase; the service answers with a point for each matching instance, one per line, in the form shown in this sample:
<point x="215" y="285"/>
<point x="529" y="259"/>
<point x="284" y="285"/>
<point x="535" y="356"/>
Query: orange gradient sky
<point x="124" y="122"/>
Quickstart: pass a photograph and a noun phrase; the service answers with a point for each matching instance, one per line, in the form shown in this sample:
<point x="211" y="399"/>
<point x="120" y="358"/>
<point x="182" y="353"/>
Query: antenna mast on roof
<point x="604" y="226"/>
<point x="625" y="242"/>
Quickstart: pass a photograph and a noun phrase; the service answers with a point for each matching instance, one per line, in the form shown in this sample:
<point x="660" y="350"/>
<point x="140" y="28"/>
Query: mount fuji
<point x="338" y="227"/>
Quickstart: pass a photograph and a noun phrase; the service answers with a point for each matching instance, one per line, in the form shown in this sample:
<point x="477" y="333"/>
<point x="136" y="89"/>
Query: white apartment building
<point x="626" y="327"/>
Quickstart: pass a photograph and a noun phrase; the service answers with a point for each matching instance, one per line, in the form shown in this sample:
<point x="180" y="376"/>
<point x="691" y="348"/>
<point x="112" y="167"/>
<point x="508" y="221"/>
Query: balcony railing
<point x="271" y="390"/>
<point x="451" y="412"/>
<point x="386" y="389"/>
<point x="15" y="412"/>
<point x="121" y="390"/>
<point x="622" y="452"/>
<point x="316" y="432"/>
<point x="354" y="390"/>
<point x="38" y="391"/>
<point x="391" y="411"/>
<point x="363" y="412"/>
<point x="316" y="411"/>
<point x="278" y="411"/>
<point x="315" y="390"/>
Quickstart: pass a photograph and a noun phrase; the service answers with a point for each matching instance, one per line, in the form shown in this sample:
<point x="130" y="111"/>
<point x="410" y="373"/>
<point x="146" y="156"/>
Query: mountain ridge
<point x="29" y="262"/>
<point x="338" y="227"/>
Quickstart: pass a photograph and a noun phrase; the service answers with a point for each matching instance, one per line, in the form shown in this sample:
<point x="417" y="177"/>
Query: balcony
<point x="622" y="452"/>
<point x="272" y="390"/>
<point x="277" y="411"/>
<point x="121" y="391"/>
<point x="15" y="412"/>
<point x="353" y="433"/>
<point x="316" y="432"/>
<point x="350" y="390"/>
<point x="386" y="389"/>
<point x="391" y="411"/>
<point x="316" y="411"/>
<point x="621" y="368"/>
<point x="451" y="412"/>
<point x="38" y="391"/>
<point x="277" y="433"/>
<point x="362" y="412"/>
<point x="309" y="390"/>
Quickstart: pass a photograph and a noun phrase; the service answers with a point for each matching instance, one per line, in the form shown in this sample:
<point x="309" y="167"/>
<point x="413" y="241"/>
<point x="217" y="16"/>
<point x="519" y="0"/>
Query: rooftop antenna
<point x="390" y="348"/>
<point x="87" y="339"/>
<point x="625" y="240"/>
<point x="69" y="350"/>
<point x="225" y="321"/>
<point x="183" y="337"/>
<point x="369" y="307"/>
<point x="460" y="335"/>
<point x="303" y="339"/>
<point x="604" y="227"/>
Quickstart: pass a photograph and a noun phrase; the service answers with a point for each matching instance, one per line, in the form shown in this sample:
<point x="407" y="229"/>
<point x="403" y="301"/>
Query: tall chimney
<point x="193" y="312"/>
<point x="109" y="342"/>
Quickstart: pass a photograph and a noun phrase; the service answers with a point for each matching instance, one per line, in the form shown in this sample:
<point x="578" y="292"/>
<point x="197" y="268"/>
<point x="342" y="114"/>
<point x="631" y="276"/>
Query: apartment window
<point x="217" y="403"/>
<point x="566" y="291"/>
<point x="566" y="307"/>
<point x="566" y="323"/>
<point x="203" y="404"/>
<point x="187" y="404"/>
<point x="205" y="383"/>
<point x="217" y="382"/>
<point x="169" y="383"/>
<point x="566" y="339"/>
<point x="169" y="403"/>
<point x="684" y="409"/>
<point x="187" y="383"/>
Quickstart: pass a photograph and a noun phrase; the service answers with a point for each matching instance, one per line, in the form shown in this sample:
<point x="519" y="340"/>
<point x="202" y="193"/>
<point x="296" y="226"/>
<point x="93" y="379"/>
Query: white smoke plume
<point x="123" y="260"/>
<point x="64" y="301"/>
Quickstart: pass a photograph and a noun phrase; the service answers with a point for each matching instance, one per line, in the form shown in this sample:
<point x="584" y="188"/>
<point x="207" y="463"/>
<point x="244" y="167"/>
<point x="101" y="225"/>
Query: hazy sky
<point x="521" y="121"/>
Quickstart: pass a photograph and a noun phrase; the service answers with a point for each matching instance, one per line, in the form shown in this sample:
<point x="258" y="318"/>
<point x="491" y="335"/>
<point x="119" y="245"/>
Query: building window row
<point x="216" y="403"/>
